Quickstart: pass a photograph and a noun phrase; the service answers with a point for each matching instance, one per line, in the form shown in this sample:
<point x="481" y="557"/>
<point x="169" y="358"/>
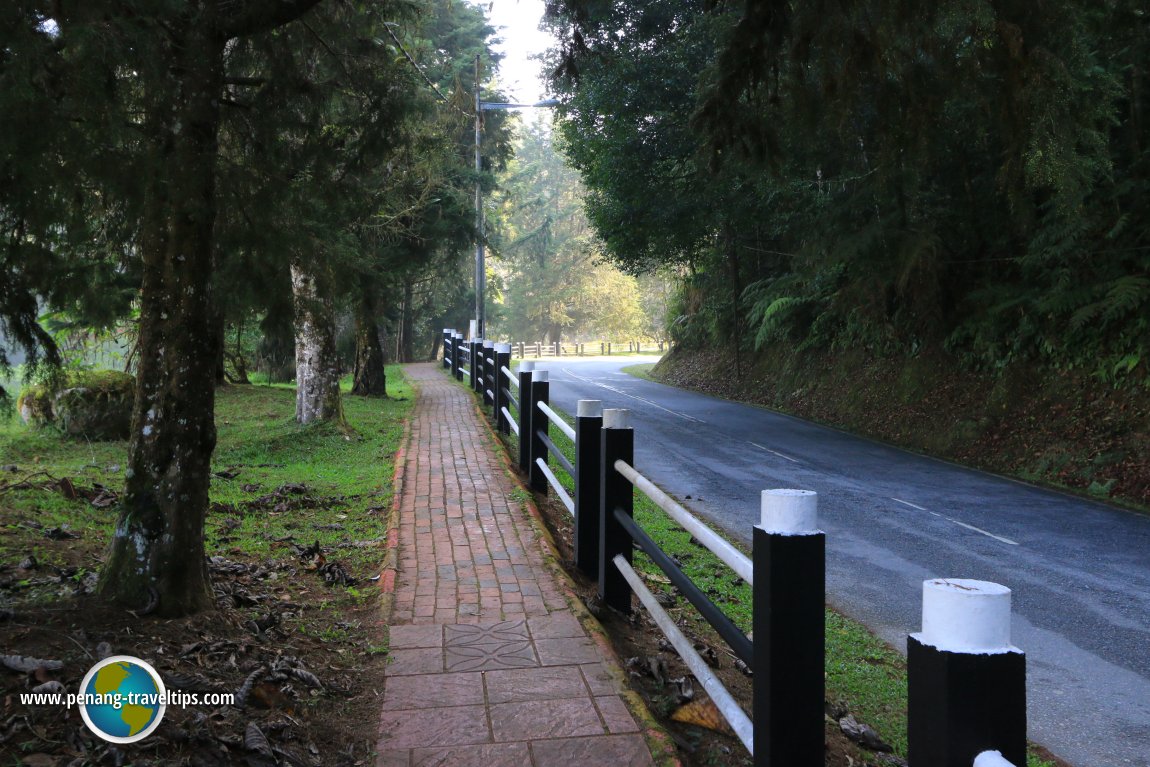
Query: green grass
<point x="642" y="370"/>
<point x="347" y="472"/>
<point x="861" y="670"/>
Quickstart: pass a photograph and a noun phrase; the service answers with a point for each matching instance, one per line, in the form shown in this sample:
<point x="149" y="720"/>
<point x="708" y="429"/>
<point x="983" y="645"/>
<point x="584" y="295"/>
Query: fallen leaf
<point x="702" y="713"/>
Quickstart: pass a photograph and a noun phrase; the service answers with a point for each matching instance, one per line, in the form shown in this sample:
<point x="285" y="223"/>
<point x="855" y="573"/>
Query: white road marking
<point x="684" y="416"/>
<point x="955" y="521"/>
<point x="775" y="452"/>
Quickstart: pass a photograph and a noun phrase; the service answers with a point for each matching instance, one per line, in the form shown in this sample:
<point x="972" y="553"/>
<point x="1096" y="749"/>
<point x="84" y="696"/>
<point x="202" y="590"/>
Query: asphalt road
<point x="1079" y="571"/>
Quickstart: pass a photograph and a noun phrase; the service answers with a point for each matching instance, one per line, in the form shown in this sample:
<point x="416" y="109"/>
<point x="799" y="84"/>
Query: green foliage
<point x="968" y="175"/>
<point x="556" y="284"/>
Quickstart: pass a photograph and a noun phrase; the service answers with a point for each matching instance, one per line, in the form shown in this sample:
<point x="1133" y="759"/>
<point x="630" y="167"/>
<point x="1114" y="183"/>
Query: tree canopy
<point x="969" y="175"/>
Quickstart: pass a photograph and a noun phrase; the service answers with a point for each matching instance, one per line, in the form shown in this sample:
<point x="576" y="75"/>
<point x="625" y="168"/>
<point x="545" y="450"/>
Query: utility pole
<point x="480" y="269"/>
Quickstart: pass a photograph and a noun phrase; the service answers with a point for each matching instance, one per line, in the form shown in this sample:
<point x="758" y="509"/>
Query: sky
<point x="517" y="23"/>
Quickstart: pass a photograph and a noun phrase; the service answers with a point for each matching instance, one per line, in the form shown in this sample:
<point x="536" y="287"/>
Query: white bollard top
<point x="503" y="348"/>
<point x="967" y="616"/>
<point x="449" y="330"/>
<point x="473" y="328"/>
<point x="992" y="759"/>
<point x="526" y="366"/>
<point x="589" y="408"/>
<point x="488" y="344"/>
<point x="538" y="375"/>
<point x="616" y="418"/>
<point x="789" y="512"/>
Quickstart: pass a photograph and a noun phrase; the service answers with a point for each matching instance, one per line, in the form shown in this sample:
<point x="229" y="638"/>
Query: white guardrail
<point x="734" y="559"/>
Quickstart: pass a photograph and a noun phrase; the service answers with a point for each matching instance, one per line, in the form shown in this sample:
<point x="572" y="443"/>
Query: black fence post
<point x="457" y="356"/>
<point x="502" y="384"/>
<point x="790" y="633"/>
<point x="471" y="358"/>
<point x="488" y="383"/>
<point x="617" y="443"/>
<point x="526" y="406"/>
<point x="540" y="389"/>
<point x="447" y="332"/>
<point x="588" y="425"/>
<point x="966" y="684"/>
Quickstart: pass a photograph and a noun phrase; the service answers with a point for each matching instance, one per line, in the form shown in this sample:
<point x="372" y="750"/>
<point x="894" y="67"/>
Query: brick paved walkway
<point x="488" y="664"/>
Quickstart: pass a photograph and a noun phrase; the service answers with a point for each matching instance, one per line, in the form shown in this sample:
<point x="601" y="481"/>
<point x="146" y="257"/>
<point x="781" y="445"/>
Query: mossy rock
<point x="96" y="405"/>
<point x="35" y="406"/>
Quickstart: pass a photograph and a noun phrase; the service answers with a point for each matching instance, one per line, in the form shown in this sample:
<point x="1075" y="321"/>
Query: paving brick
<point x="488" y="666"/>
<point x="433" y="691"/>
<point x="613" y="750"/>
<point x="539" y="719"/>
<point x="527" y="684"/>
<point x="418" y="728"/>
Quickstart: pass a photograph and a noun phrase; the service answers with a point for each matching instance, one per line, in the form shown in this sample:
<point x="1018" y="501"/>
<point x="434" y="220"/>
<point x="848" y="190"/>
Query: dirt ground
<point x="305" y="665"/>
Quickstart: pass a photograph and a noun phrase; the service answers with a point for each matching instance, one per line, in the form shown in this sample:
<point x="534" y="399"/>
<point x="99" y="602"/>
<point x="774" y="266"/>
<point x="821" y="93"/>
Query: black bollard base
<point x="961" y="704"/>
<point x="790" y="641"/>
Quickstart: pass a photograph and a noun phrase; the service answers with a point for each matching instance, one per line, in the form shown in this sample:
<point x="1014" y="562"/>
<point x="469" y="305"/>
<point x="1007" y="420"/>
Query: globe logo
<point x="122" y="699"/>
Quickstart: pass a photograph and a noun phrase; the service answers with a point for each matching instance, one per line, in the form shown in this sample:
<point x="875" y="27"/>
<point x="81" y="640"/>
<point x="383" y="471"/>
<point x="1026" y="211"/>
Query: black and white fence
<point x="536" y="349"/>
<point x="966" y="682"/>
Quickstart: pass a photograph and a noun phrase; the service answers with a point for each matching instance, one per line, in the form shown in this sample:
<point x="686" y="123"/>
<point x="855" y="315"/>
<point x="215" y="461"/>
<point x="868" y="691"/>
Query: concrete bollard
<point x="966" y="682"/>
<point x="790" y="631"/>
<point x="502" y="387"/>
<point x="487" y="381"/>
<point x="617" y="443"/>
<point x="540" y="388"/>
<point x="588" y="424"/>
<point x="526" y="409"/>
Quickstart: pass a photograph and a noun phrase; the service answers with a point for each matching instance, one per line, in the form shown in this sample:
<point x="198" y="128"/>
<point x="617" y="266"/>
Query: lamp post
<point x="480" y="267"/>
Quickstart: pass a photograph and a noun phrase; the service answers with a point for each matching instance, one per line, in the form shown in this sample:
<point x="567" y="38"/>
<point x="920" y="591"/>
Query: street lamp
<point x="480" y="268"/>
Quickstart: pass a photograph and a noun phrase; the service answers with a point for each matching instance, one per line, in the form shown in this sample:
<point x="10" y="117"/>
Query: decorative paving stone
<point x="487" y="646"/>
<point x="486" y="633"/>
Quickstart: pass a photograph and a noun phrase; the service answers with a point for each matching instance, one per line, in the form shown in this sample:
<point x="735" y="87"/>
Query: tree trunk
<point x="221" y="329"/>
<point x="156" y="558"/>
<point x="316" y="361"/>
<point x="370" y="377"/>
<point x="407" y="329"/>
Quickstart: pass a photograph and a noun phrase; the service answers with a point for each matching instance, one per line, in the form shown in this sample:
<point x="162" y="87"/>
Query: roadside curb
<point x="390" y="566"/>
<point x="659" y="742"/>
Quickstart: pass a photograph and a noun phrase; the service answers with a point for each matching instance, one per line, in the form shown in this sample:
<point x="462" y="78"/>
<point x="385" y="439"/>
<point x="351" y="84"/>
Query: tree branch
<point x="243" y="18"/>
